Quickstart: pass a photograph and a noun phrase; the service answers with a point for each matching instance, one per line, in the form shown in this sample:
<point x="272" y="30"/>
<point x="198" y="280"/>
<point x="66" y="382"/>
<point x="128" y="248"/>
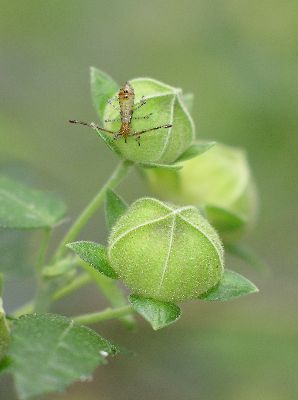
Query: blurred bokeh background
<point x="239" y="58"/>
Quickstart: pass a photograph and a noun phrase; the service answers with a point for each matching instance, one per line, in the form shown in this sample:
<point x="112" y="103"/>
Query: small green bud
<point x="164" y="252"/>
<point x="219" y="180"/>
<point x="164" y="105"/>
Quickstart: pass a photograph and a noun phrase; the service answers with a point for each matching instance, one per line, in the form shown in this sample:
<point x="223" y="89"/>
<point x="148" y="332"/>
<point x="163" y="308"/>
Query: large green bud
<point x="220" y="181"/>
<point x="164" y="252"/>
<point x="164" y="106"/>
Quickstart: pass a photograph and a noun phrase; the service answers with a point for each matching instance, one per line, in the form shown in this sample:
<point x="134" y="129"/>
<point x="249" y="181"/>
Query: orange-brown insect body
<point x="126" y="98"/>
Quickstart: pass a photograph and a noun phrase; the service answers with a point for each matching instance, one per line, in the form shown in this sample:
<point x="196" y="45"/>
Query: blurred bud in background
<point x="218" y="181"/>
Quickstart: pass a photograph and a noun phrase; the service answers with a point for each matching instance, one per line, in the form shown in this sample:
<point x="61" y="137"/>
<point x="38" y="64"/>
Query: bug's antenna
<point x="91" y="125"/>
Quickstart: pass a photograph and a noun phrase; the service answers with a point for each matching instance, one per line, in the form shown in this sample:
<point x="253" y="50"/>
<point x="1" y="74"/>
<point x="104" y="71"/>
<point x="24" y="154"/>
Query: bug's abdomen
<point x="126" y="107"/>
<point x="125" y="129"/>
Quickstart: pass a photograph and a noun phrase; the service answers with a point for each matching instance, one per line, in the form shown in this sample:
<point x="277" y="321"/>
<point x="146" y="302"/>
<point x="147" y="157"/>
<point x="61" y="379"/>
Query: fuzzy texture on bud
<point x="165" y="252"/>
<point x="219" y="180"/>
<point x="164" y="105"/>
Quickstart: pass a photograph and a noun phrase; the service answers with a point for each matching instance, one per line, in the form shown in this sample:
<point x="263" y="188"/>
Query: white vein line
<point x="155" y="95"/>
<point x="149" y="97"/>
<point x="168" y="136"/>
<point x="164" y="205"/>
<point x="204" y="234"/>
<point x="181" y="131"/>
<point x="168" y="255"/>
<point x="59" y="340"/>
<point x="181" y="137"/>
<point x="139" y="226"/>
<point x="164" y="85"/>
<point x="190" y="120"/>
<point x="48" y="364"/>
<point x="173" y="212"/>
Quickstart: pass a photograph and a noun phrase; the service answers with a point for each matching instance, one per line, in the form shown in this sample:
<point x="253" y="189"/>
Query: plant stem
<point x="42" y="297"/>
<point x="91" y="208"/>
<point x="80" y="281"/>
<point x="111" y="291"/>
<point x="45" y="290"/>
<point x="77" y="283"/>
<point x="42" y="251"/>
<point x="108" y="313"/>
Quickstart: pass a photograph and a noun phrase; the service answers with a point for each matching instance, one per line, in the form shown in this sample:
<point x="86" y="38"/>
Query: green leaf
<point x="115" y="206"/>
<point x="195" y="150"/>
<point x="158" y="313"/>
<point x="25" y="208"/>
<point x="164" y="166"/>
<point x="49" y="352"/>
<point x="188" y="99"/>
<point x="95" y="255"/>
<point x="247" y="255"/>
<point x="231" y="286"/>
<point x="103" y="87"/>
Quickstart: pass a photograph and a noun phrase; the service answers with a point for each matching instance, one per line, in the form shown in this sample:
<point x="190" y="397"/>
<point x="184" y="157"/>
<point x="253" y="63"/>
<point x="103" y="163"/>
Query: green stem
<point x="45" y="289"/>
<point x="91" y="208"/>
<point x="108" y="313"/>
<point x="43" y="251"/>
<point x="77" y="283"/>
<point x="111" y="291"/>
<point x="42" y="298"/>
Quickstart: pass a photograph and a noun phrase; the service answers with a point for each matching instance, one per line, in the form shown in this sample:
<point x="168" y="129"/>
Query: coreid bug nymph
<point x="127" y="107"/>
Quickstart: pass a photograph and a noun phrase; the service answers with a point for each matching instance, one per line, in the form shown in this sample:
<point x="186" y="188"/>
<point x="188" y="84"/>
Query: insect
<point x="127" y="107"/>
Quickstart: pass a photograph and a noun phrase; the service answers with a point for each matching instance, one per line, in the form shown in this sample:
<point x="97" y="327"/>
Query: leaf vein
<point x="10" y="196"/>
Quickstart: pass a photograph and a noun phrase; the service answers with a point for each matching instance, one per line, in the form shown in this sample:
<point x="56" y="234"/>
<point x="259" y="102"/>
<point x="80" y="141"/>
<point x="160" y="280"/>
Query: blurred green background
<point x="239" y="58"/>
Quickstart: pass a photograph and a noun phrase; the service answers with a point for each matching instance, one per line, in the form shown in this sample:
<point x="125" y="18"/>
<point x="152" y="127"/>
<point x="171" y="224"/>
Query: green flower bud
<point x="164" y="252"/>
<point x="164" y="105"/>
<point x="219" y="180"/>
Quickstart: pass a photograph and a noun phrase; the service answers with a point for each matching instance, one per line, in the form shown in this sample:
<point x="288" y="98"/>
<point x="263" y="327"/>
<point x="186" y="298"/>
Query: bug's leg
<point x="110" y="102"/>
<point x="117" y="136"/>
<point x="115" y="98"/>
<point x="143" y="116"/>
<point x="140" y="103"/>
<point x="91" y="125"/>
<point x="137" y="136"/>
<point x="138" y="139"/>
<point x="113" y="120"/>
<point x="151" y="129"/>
